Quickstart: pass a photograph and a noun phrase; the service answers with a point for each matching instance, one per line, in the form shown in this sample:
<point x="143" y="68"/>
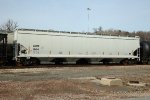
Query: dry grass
<point x="49" y="89"/>
<point x="77" y="87"/>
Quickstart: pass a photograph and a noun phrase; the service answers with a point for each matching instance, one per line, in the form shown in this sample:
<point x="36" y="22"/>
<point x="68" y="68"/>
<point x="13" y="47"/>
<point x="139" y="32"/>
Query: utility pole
<point x="88" y="9"/>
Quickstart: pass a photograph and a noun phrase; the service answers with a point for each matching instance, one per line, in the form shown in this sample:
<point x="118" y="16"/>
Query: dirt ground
<point x="75" y="82"/>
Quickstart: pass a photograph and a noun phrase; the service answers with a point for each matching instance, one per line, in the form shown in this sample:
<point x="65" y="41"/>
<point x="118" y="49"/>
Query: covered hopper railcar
<point x="44" y="47"/>
<point x="145" y="52"/>
<point x="6" y="49"/>
<point x="3" y="48"/>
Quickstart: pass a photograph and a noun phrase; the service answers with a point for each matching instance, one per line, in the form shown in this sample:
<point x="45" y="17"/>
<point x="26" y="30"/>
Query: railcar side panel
<point x="68" y="45"/>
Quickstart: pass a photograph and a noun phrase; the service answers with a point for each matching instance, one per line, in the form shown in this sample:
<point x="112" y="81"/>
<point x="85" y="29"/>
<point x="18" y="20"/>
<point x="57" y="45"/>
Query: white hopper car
<point x="44" y="46"/>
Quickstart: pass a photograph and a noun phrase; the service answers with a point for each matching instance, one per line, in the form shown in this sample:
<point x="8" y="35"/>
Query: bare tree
<point x="144" y="36"/>
<point x="9" y="26"/>
<point x="98" y="30"/>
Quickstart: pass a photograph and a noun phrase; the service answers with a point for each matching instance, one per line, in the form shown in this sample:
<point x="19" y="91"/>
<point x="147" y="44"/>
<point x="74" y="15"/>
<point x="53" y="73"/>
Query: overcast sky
<point x="72" y="15"/>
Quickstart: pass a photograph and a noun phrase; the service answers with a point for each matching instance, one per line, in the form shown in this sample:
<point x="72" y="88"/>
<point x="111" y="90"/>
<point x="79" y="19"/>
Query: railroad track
<point x="60" y="65"/>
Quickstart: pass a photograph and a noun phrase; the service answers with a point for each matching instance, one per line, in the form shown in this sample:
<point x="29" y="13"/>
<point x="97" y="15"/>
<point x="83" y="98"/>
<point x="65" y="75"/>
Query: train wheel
<point x="105" y="62"/>
<point x="59" y="61"/>
<point x="130" y="62"/>
<point x="148" y="62"/>
<point x="18" y="64"/>
<point x="26" y="62"/>
<point x="35" y="62"/>
<point x="134" y="62"/>
<point x="83" y="61"/>
<point x="125" y="62"/>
